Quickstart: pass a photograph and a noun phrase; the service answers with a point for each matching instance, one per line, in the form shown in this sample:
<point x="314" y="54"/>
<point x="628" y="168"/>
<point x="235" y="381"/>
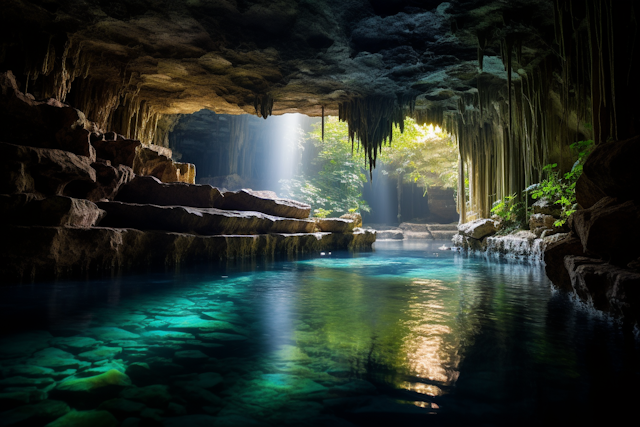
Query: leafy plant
<point x="321" y="213"/>
<point x="512" y="213"/>
<point x="561" y="189"/>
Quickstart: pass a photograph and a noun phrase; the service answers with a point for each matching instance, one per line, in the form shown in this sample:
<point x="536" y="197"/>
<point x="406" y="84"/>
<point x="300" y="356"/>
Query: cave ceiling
<point x="232" y="56"/>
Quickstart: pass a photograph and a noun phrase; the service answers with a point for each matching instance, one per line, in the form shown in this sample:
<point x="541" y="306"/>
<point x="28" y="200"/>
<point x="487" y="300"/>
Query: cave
<point x="171" y="256"/>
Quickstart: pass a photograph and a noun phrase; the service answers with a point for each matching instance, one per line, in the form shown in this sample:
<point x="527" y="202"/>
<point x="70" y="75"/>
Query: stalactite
<point x="323" y="123"/>
<point x="263" y="105"/>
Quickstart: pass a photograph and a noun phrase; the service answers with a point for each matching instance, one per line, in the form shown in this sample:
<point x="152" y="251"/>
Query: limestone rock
<point x="546" y="207"/>
<point x="355" y="217"/>
<point x="608" y="230"/>
<point x="150" y="190"/>
<point x="187" y="172"/>
<point x="478" y="229"/>
<point x="117" y="152"/>
<point x="541" y="220"/>
<point x="335" y="225"/>
<point x="198" y="220"/>
<point x="554" y="256"/>
<point x="153" y="160"/>
<point x="389" y="234"/>
<point x="109" y="180"/>
<point x="26" y="209"/>
<point x="248" y="200"/>
<point x="85" y="419"/>
<point x="611" y="167"/>
<point x="43" y="124"/>
<point x="47" y="171"/>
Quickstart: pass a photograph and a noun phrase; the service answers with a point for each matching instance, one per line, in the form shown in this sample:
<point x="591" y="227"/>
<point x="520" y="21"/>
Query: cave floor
<point x="404" y="335"/>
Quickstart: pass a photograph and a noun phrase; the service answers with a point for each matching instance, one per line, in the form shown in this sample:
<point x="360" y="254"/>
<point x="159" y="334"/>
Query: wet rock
<point x="141" y="374"/>
<point x="190" y="356"/>
<point x="237" y="420"/>
<point x="165" y="335"/>
<point x="249" y="200"/>
<point x="520" y="244"/>
<point x="221" y="336"/>
<point x="54" y="358"/>
<point x="112" y="379"/>
<point x="354" y="388"/>
<point x="122" y="408"/>
<point x="10" y="400"/>
<point x="609" y="288"/>
<point x="34" y="414"/>
<point x="390" y="234"/>
<point x="150" y="190"/>
<point x="197" y="220"/>
<point x="85" y="419"/>
<point x="26" y="382"/>
<point x="101" y="353"/>
<point x="207" y="380"/>
<point x="199" y="396"/>
<point x="334" y="225"/>
<point x="75" y="344"/>
<point x="118" y="152"/>
<point x="605" y="231"/>
<point x="40" y="170"/>
<point x="554" y="256"/>
<point x="190" y="420"/>
<point x="156" y="395"/>
<point x="108" y="333"/>
<point x="25" y="209"/>
<point x="541" y="220"/>
<point x="194" y="321"/>
<point x="152" y="160"/>
<point x="32" y="371"/>
<point x="478" y="229"/>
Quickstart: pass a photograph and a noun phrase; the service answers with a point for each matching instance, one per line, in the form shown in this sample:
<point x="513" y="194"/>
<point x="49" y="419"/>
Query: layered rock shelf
<point x="413" y="231"/>
<point x="107" y="203"/>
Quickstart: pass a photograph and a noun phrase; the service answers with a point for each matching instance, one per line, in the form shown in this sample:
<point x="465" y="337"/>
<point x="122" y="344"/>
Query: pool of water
<point x="404" y="335"/>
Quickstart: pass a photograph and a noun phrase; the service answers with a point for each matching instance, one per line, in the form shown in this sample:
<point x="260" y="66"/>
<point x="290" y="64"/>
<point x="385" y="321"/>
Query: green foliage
<point x="513" y="214"/>
<point x="561" y="189"/>
<point x="337" y="184"/>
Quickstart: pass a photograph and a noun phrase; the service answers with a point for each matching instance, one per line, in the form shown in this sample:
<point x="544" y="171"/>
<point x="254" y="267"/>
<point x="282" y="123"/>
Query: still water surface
<point x="404" y="335"/>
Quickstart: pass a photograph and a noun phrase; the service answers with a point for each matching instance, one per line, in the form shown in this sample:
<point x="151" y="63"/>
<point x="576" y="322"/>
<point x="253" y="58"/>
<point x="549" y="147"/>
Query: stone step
<point x="203" y="221"/>
<point x="149" y="190"/>
<point x="41" y="253"/>
<point x="29" y="209"/>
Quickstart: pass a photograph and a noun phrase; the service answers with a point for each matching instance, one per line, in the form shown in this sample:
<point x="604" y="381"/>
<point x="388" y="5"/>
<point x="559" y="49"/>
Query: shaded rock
<point x="152" y="160"/>
<point x="25" y="209"/>
<point x="198" y="220"/>
<point x="131" y="422"/>
<point x="118" y="152"/>
<point x="545" y="206"/>
<point x="153" y="414"/>
<point x="587" y="192"/>
<point x="54" y="358"/>
<point x="176" y="409"/>
<point x="33" y="371"/>
<point x="122" y="407"/>
<point x="237" y="420"/>
<point x="75" y="344"/>
<point x="141" y="374"/>
<point x="478" y="229"/>
<point x="611" y="168"/>
<point x="10" y="400"/>
<point x="85" y="419"/>
<point x="109" y="180"/>
<point x="26" y="382"/>
<point x="608" y="230"/>
<point x="37" y="413"/>
<point x="47" y="171"/>
<point x="541" y="220"/>
<point x="355" y="217"/>
<point x="249" y="200"/>
<point x="469" y="243"/>
<point x="190" y="356"/>
<point x="153" y="395"/>
<point x="221" y="336"/>
<point x="205" y="380"/>
<point x="554" y="255"/>
<point x="150" y="190"/>
<point x="199" y="396"/>
<point x="609" y="288"/>
<point x="44" y="124"/>
<point x="190" y="420"/>
<point x="164" y="335"/>
<point x="335" y="225"/>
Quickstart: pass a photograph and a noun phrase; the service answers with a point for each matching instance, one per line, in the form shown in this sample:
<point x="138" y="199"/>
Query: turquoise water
<point x="404" y="335"/>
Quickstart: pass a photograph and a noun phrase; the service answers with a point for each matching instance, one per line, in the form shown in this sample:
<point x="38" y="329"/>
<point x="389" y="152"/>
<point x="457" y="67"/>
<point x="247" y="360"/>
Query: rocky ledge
<point x="77" y="200"/>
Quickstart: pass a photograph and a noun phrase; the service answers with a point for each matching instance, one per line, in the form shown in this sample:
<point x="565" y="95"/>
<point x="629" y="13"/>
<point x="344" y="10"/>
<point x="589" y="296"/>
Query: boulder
<point x="587" y="192"/>
<point x="198" y="220"/>
<point x="609" y="230"/>
<point x="117" y="152"/>
<point x="47" y="171"/>
<point x="249" y="200"/>
<point x="26" y="209"/>
<point x="85" y="419"/>
<point x="554" y="255"/>
<point x="389" y="234"/>
<point x="334" y="225"/>
<point x="541" y="220"/>
<point x="478" y="229"/>
<point x="355" y="217"/>
<point x="150" y="190"/>
<point x="609" y="288"/>
<point x="611" y="167"/>
<point x="153" y="160"/>
<point x="546" y="207"/>
<point x="42" y="124"/>
<point x="111" y="380"/>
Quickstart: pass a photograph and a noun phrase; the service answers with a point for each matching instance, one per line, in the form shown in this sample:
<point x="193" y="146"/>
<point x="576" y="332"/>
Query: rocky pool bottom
<point x="405" y="335"/>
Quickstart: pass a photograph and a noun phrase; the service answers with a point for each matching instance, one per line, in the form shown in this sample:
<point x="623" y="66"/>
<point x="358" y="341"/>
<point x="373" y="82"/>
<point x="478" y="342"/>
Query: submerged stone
<point x="37" y="413"/>
<point x="221" y="336"/>
<point x="76" y="344"/>
<point x="27" y="371"/>
<point x="19" y="345"/>
<point x="26" y="382"/>
<point x="111" y="333"/>
<point x="122" y="407"/>
<point x="162" y="335"/>
<point x="190" y="420"/>
<point x="154" y="395"/>
<point x="193" y="322"/>
<point x="101" y="353"/>
<point x="85" y="419"/>
<point x="111" y="378"/>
